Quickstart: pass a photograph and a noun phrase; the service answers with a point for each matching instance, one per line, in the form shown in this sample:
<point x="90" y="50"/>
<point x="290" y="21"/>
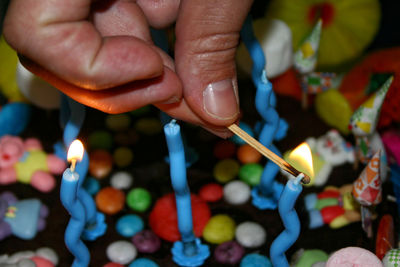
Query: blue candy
<point x="91" y="185"/>
<point x="255" y="260"/>
<point x="143" y="262"/>
<point x="129" y="225"/>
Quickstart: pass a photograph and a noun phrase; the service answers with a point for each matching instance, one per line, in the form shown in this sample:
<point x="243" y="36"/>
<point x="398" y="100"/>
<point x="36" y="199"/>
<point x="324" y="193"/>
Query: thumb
<point x="207" y="35"/>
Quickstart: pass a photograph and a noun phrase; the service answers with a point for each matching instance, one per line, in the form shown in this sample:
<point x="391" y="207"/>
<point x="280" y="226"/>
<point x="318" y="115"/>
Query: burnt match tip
<point x="306" y="179"/>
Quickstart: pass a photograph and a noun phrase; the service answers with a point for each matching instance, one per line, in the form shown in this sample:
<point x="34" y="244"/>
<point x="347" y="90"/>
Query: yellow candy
<point x="226" y="170"/>
<point x="349" y="203"/>
<point x="339" y="222"/>
<point x="219" y="229"/>
<point x="123" y="156"/>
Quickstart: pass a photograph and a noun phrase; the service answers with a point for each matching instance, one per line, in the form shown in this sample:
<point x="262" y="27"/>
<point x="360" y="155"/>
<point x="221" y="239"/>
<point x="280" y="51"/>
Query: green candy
<point x="326" y="202"/>
<point x="312" y="256"/>
<point x="251" y="173"/>
<point x="100" y="140"/>
<point x="139" y="199"/>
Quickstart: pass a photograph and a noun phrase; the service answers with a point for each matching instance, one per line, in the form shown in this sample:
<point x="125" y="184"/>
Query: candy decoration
<point x="236" y="192"/>
<point x="353" y="256"/>
<point x="163" y="219"/>
<point x="367" y="189"/>
<point x="364" y="120"/>
<point x="139" y="199"/>
<point x="346" y="29"/>
<point x="392" y="258"/>
<point x="219" y="229"/>
<point x="146" y="241"/>
<point x="385" y="236"/>
<point x="255" y="260"/>
<point x="122" y="252"/>
<point x="211" y="192"/>
<point x="250" y="234"/>
<point x="229" y="252"/>
<point x="128" y="225"/>
<point x="110" y="200"/>
<point x="305" y="58"/>
<point x="318" y="82"/>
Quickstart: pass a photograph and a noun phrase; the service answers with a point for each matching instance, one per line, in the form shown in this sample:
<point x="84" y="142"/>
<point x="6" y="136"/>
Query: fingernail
<point x="220" y="100"/>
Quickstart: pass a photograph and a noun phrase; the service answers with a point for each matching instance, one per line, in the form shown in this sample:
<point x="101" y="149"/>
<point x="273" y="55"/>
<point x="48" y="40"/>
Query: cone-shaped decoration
<point x="364" y="120"/>
<point x="305" y="58"/>
<point x="367" y="189"/>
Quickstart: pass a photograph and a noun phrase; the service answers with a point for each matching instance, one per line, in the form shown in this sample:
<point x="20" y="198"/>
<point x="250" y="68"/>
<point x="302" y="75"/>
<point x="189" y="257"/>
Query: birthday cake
<point x="138" y="203"/>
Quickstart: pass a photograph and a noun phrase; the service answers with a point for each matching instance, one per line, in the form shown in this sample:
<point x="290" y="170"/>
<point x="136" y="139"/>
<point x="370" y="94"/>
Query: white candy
<point x="236" y="192"/>
<point x="48" y="254"/>
<point x="26" y="263"/>
<point x="121" y="180"/>
<point x="275" y="38"/>
<point x="16" y="257"/>
<point x="38" y="91"/>
<point x="250" y="234"/>
<point x="122" y="252"/>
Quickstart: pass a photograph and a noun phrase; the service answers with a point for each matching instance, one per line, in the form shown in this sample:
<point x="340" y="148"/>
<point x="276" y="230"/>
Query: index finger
<point x="60" y="38"/>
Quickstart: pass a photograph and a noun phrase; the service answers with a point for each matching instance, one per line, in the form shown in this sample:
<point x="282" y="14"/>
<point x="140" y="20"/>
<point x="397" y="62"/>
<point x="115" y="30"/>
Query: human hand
<point x="100" y="53"/>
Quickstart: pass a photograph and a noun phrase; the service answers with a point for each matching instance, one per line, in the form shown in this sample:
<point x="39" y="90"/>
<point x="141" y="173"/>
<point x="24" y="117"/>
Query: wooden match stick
<point x="267" y="153"/>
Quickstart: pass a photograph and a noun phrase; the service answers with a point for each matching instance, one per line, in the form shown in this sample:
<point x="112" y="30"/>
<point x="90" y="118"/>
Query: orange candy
<point x="110" y="200"/>
<point x="247" y="154"/>
<point x="101" y="163"/>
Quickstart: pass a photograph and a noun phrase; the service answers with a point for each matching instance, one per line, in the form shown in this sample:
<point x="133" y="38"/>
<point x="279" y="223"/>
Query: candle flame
<point x="301" y="159"/>
<point x="75" y="151"/>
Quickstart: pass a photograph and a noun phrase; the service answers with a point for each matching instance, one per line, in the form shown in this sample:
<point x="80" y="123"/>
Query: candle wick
<point x="73" y="164"/>
<point x="299" y="178"/>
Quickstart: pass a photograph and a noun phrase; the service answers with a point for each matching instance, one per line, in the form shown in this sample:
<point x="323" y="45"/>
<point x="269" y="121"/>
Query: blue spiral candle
<point x="290" y="221"/>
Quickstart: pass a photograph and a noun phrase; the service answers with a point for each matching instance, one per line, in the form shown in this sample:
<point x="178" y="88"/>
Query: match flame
<point x="75" y="151"/>
<point x="301" y="159"/>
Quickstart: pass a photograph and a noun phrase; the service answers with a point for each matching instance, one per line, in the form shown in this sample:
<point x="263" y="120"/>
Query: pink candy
<point x="353" y="257"/>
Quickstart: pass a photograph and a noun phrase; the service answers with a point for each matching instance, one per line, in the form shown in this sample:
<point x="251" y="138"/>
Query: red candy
<point x="385" y="236"/>
<point x="113" y="264"/>
<point x="164" y="222"/>
<point x="42" y="262"/>
<point x="224" y="149"/>
<point x="330" y="213"/>
<point x="211" y="192"/>
<point x="329" y="194"/>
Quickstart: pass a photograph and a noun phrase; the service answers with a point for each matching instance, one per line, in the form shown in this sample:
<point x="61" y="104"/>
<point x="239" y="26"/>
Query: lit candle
<point x="189" y="252"/>
<point x="290" y="221"/>
<point x="286" y="209"/>
<point x="72" y="116"/>
<point x="69" y="198"/>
